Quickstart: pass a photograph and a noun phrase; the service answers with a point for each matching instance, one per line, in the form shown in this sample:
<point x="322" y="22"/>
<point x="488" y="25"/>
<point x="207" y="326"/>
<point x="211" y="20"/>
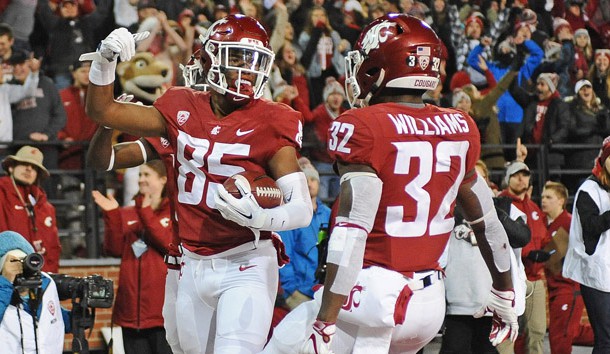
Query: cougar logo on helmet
<point x="375" y="36"/>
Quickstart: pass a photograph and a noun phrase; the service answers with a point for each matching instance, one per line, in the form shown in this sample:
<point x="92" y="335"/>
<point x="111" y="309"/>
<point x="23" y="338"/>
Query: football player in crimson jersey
<point x="229" y="276"/>
<point x="403" y="165"/>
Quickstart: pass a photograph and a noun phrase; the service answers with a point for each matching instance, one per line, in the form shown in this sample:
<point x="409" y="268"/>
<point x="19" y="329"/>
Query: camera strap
<point x="32" y="303"/>
<point x="28" y="206"/>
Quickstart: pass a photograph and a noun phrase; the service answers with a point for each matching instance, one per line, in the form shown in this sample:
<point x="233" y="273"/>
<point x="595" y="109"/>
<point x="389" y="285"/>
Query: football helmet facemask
<point x="192" y="73"/>
<point x="395" y="51"/>
<point x="236" y="58"/>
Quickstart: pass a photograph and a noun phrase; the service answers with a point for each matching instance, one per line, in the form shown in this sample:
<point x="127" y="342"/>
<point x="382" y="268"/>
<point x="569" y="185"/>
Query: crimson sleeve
<point x="157" y="226"/>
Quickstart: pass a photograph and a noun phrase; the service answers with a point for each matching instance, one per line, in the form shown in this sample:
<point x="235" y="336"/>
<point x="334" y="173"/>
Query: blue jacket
<point x="509" y="110"/>
<point x="300" y="245"/>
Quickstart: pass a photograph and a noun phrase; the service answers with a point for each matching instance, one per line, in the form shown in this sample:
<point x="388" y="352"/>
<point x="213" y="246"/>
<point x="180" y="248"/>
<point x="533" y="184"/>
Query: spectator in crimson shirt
<point x="565" y="301"/>
<point x="140" y="235"/>
<point x="322" y="118"/>
<point x="24" y="207"/>
<point x="78" y="126"/>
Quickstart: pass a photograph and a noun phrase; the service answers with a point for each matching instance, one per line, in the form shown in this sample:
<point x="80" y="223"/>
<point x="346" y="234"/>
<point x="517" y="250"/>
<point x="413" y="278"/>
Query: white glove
<point x="118" y="43"/>
<point x="504" y="323"/>
<point x="244" y="211"/>
<point x="320" y="339"/>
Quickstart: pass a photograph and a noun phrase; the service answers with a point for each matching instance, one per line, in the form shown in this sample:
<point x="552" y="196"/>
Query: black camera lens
<point x="33" y="263"/>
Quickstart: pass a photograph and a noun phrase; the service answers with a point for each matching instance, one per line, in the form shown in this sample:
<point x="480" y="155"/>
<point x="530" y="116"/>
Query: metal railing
<point x="92" y="226"/>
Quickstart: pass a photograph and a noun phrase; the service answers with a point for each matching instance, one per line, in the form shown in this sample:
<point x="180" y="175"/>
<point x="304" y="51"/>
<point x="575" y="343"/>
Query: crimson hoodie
<point x="41" y="230"/>
<point x="140" y="296"/>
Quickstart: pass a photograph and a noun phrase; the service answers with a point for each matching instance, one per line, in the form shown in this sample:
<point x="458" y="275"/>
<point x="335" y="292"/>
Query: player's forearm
<point x="501" y="278"/>
<point x="297" y="211"/>
<point x="100" y="149"/>
<point x="99" y="100"/>
<point x="331" y="302"/>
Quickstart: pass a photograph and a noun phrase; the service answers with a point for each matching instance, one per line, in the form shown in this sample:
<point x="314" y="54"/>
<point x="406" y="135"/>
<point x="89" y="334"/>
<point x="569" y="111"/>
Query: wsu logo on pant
<point x="353" y="300"/>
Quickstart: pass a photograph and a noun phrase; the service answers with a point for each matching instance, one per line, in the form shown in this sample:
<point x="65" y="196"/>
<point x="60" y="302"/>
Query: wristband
<point x="143" y="150"/>
<point x="102" y="74"/>
<point x="111" y="164"/>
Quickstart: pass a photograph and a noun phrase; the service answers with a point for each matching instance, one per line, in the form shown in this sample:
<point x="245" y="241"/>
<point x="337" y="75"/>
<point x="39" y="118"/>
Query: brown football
<point x="265" y="190"/>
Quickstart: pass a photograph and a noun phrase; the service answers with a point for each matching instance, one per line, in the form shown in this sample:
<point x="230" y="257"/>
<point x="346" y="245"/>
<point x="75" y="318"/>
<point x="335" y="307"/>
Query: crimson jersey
<point x="166" y="154"/>
<point x="208" y="150"/>
<point x="556" y="283"/>
<point x="422" y="156"/>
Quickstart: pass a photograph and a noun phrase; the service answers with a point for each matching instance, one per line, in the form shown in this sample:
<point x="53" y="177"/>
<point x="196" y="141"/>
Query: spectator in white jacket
<point x="13" y="93"/>
<point x="16" y="304"/>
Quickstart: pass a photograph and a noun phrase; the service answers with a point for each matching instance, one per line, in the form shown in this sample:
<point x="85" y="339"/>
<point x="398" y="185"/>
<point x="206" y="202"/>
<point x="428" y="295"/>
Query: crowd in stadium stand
<point x="531" y="72"/>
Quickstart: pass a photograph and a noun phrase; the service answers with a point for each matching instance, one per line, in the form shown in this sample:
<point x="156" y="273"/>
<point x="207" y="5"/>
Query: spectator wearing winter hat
<point x="517" y="52"/>
<point x="599" y="75"/>
<point x="25" y="206"/>
<point x="323" y="116"/>
<point x="517" y="180"/>
<point x="546" y="117"/>
<point x="590" y="124"/>
<point x="583" y="54"/>
<point x="298" y="277"/>
<point x="563" y="64"/>
<point x="586" y="260"/>
<point x="18" y="308"/>
<point x="484" y="114"/>
<point x="465" y="42"/>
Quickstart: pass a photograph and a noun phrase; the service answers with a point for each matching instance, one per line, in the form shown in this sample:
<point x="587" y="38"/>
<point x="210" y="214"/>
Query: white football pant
<point x="366" y="322"/>
<point x="225" y="304"/>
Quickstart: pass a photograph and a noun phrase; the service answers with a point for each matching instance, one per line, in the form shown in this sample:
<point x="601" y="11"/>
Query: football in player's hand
<point x="263" y="188"/>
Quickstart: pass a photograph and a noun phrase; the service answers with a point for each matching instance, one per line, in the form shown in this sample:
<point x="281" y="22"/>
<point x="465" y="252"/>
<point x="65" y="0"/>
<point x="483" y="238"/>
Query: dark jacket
<point x="586" y="127"/>
<point x="69" y="38"/>
<point x="556" y="122"/>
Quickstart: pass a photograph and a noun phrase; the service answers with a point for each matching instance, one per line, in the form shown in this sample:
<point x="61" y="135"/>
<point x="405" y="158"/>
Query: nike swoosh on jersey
<point x="18" y="207"/>
<point x="239" y="132"/>
<point x="244" y="267"/>
<point x="131" y="222"/>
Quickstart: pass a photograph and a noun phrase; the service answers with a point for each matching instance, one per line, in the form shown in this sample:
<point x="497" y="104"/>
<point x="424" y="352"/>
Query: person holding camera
<point x="23" y="329"/>
<point x="140" y="235"/>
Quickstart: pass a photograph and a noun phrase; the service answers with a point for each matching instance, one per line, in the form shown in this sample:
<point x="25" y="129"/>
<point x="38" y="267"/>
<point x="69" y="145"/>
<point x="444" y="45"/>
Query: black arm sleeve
<point x="595" y="223"/>
<point x="518" y="232"/>
<point x="311" y="48"/>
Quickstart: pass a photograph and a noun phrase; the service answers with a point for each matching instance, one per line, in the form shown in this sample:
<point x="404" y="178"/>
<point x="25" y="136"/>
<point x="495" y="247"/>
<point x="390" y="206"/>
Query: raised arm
<point x="131" y="118"/>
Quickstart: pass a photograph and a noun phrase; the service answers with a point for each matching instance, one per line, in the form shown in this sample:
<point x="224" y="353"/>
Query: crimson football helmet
<point x="395" y="50"/>
<point x="236" y="57"/>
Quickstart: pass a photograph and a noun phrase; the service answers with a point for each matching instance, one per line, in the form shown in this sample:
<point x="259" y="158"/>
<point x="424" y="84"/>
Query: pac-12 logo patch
<point x="183" y="116"/>
<point x="164" y="142"/>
